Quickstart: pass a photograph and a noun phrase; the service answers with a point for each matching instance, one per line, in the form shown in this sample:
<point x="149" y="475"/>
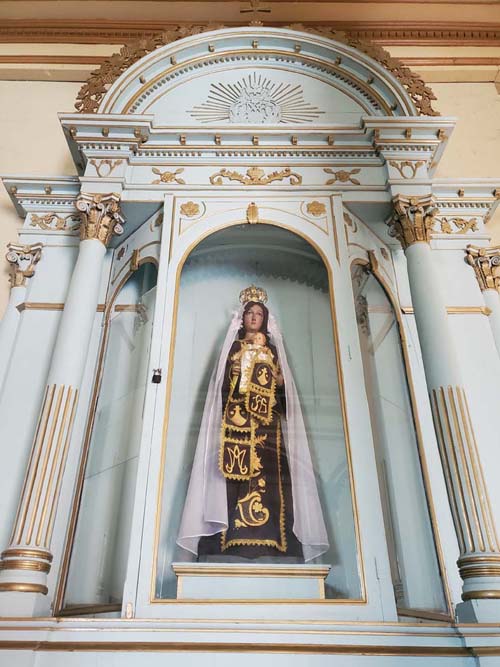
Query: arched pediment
<point x="257" y="76"/>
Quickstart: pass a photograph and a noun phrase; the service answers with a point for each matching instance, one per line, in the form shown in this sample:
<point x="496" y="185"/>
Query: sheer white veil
<point x="205" y="508"/>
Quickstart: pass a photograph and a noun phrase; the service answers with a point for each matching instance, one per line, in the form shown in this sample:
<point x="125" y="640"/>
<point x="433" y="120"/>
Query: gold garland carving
<point x="407" y="168"/>
<point x="97" y="85"/>
<point x="461" y="226"/>
<point x="52" y="221"/>
<point x="256" y="176"/>
<point x="421" y="94"/>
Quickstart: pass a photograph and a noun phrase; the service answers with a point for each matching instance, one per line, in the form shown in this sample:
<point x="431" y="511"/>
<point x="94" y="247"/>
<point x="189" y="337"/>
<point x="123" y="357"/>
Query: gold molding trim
<point x="34" y="566"/>
<point x="47" y="305"/>
<point x="482" y="595"/>
<point x="23" y="588"/>
<point x="29" y="553"/>
<point x="250" y="571"/>
<point x="246" y="647"/>
<point x="455" y="310"/>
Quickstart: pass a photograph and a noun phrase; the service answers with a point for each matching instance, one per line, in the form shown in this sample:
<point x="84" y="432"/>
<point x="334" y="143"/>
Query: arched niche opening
<point x="101" y="540"/>
<point x="413" y="554"/>
<point x="298" y="283"/>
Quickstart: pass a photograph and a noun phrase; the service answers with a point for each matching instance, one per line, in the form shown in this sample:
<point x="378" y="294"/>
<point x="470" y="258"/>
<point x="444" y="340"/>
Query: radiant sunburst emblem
<point x="257" y="100"/>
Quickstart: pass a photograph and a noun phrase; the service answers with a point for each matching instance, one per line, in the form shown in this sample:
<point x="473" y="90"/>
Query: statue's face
<point x="253" y="318"/>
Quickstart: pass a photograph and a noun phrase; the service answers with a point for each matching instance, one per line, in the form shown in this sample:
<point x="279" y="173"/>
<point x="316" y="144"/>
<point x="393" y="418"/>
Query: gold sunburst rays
<point x="258" y="100"/>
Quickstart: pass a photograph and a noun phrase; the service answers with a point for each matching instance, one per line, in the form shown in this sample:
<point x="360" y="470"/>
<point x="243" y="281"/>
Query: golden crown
<point x="253" y="293"/>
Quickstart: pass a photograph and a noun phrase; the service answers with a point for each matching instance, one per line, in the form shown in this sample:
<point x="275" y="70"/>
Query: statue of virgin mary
<point x="252" y="491"/>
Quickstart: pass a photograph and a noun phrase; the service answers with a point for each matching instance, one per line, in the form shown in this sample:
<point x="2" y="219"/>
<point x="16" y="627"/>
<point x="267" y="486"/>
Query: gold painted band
<point x="471" y="572"/>
<point x="13" y="586"/>
<point x="27" y="553"/>
<point x="455" y="310"/>
<point x="221" y="647"/>
<point x="481" y="595"/>
<point x="470" y="560"/>
<point x="35" y="566"/>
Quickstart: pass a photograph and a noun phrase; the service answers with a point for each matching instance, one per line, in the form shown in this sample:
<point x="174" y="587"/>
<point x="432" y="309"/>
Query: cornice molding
<point x="381" y="32"/>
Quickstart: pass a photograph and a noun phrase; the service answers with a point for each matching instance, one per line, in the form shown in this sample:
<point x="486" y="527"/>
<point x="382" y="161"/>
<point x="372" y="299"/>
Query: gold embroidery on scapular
<point x="236" y="455"/>
<point x="252" y="511"/>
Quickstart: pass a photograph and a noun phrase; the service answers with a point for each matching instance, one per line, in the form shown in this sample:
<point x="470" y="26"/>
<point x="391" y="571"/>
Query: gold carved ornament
<point x="105" y="167"/>
<point x="101" y="216"/>
<point x="406" y="168"/>
<point x="421" y="95"/>
<point x="461" y="225"/>
<point x="189" y="209"/>
<point x="95" y="88"/>
<point x="52" y="221"/>
<point x="22" y="260"/>
<point x="413" y="219"/>
<point x="342" y="176"/>
<point x="168" y="176"/>
<point x="316" y="209"/>
<point x="486" y="265"/>
<point x="256" y="176"/>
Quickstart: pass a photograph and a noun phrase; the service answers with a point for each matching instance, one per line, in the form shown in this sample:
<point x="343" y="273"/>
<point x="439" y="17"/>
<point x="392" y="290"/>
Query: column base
<point x="15" y="604"/>
<point x="478" y="611"/>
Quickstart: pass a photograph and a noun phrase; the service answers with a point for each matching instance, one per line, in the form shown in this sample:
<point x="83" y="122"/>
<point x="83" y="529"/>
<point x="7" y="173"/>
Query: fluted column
<point x="479" y="561"/>
<point x="27" y="560"/>
<point x="486" y="265"/>
<point x="22" y="260"/>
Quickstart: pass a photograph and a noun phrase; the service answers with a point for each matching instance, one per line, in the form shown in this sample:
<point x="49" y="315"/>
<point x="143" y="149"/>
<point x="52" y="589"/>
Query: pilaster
<point x="460" y="451"/>
<point x="27" y="560"/>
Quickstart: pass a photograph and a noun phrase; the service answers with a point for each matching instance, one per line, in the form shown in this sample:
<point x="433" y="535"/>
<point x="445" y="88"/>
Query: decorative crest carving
<point x="99" y="82"/>
<point x="101" y="216"/>
<point x="413" y="219"/>
<point x="255" y="99"/>
<point x="105" y="167"/>
<point x="256" y="176"/>
<point x="22" y="260"/>
<point x="486" y="265"/>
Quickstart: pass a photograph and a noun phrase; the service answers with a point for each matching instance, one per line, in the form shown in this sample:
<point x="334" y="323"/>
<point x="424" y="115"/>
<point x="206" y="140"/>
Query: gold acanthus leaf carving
<point x="168" y="176"/>
<point x="256" y="176"/>
<point x="52" y="221"/>
<point x="316" y="209"/>
<point x="95" y="88"/>
<point x="342" y="176"/>
<point x="22" y="260"/>
<point x="190" y="209"/>
<point x="486" y="264"/>
<point x="457" y="225"/>
<point x="105" y="167"/>
<point x="415" y="86"/>
<point x="407" y="168"/>
<point x="413" y="220"/>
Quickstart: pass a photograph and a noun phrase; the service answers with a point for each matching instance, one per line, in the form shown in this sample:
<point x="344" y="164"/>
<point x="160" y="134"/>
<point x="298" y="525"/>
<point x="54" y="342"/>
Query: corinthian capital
<point x="486" y="264"/>
<point x="22" y="260"/>
<point x="101" y="216"/>
<point x="413" y="219"/>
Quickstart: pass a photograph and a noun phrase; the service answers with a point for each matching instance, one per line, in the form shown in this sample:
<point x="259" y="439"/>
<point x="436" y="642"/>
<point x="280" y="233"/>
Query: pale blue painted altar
<point x="273" y="157"/>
